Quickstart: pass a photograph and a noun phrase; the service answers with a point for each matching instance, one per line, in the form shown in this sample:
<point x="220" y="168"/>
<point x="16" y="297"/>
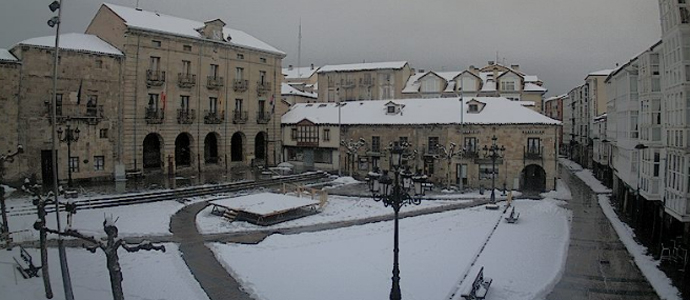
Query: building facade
<point x="311" y="139"/>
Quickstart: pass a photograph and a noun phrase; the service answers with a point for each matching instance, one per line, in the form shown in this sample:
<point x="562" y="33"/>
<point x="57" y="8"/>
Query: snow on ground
<point x="134" y="220"/>
<point x="147" y="275"/>
<point x="562" y="192"/>
<point x="436" y="251"/>
<point x="338" y="208"/>
<point x="647" y="264"/>
<point x="586" y="176"/>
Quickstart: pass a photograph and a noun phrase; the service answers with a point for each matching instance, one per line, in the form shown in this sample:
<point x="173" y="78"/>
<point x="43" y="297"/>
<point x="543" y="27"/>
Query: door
<point x="47" y="167"/>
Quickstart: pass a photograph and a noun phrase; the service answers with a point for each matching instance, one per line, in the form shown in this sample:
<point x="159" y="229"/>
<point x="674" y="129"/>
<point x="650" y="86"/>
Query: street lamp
<point x="493" y="152"/>
<point x="70" y="136"/>
<point x="395" y="192"/>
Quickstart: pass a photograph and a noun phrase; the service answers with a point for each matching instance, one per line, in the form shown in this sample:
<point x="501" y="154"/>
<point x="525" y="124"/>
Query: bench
<point x="30" y="270"/>
<point x="513" y="216"/>
<point x="479" y="288"/>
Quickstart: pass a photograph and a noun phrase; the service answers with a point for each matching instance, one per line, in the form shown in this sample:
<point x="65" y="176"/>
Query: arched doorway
<point x="183" y="151"/>
<point x="152" y="151"/>
<point x="260" y="147"/>
<point x="533" y="179"/>
<point x="211" y="148"/>
<point x="237" y="149"/>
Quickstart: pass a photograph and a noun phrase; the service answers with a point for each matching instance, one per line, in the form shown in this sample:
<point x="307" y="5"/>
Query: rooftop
<point x="155" y="21"/>
<point x="75" y="41"/>
<point x="418" y="111"/>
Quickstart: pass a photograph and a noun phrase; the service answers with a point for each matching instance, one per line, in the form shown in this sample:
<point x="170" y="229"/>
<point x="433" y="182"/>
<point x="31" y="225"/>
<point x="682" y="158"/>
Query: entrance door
<point x="47" y="167"/>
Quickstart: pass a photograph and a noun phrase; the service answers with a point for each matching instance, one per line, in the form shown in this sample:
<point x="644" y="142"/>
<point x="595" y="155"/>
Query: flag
<point x="273" y="104"/>
<point x="163" y="99"/>
<point x="79" y="91"/>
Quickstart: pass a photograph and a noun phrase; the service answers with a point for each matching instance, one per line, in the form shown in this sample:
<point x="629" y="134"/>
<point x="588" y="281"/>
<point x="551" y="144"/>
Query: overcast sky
<point x="558" y="40"/>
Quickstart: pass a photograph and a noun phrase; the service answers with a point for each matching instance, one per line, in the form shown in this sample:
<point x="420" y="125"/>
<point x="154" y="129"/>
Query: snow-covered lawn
<point x="147" y="275"/>
<point x="338" y="208"/>
<point x="436" y="252"/>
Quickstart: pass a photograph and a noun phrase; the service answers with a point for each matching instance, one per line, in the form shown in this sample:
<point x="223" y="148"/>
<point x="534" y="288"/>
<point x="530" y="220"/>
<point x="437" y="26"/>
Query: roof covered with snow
<point x="75" y="41"/>
<point x="287" y="90"/>
<point x="158" y="22"/>
<point x="417" y="111"/>
<point x="395" y="65"/>
<point x="6" y="56"/>
<point x="299" y="72"/>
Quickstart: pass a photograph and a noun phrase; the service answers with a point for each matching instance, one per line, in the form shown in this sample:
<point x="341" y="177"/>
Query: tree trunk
<point x="115" y="272"/>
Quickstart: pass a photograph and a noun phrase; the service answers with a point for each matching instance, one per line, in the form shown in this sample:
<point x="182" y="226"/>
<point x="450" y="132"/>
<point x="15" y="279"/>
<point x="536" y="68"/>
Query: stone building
<point x="197" y="95"/>
<point x="492" y="80"/>
<point x="311" y="138"/>
<point x="88" y="101"/>
<point x="365" y="81"/>
<point x="10" y="70"/>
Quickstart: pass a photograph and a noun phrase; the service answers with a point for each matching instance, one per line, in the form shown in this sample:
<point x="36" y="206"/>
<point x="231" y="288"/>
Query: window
<point x="262" y="77"/>
<point x="103" y="133"/>
<point x="155" y="63"/>
<point x="58" y="104"/>
<point x="391" y="109"/>
<point x="240" y="56"/>
<point x="485" y="172"/>
<point x="433" y="144"/>
<point x="474" y="108"/>
<point x="187" y="48"/>
<point x="156" y="44"/>
<point x="375" y="144"/>
<point x="471" y="145"/>
<point x="262" y="59"/>
<point x="213" y="105"/>
<point x="186" y="67"/>
<point x="239" y="73"/>
<point x="74" y="164"/>
<point x="153" y="101"/>
<point x="323" y="156"/>
<point x="326" y="134"/>
<point x="533" y="145"/>
<point x="99" y="163"/>
<point x="214" y="71"/>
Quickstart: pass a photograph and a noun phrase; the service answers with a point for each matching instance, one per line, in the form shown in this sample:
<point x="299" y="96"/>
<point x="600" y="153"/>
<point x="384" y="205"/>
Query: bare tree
<point x="110" y="247"/>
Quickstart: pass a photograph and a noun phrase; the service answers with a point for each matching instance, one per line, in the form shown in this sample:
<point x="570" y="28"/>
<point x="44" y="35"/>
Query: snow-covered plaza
<point x="443" y="245"/>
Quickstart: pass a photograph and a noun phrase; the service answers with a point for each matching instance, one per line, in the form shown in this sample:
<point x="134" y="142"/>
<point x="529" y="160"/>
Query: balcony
<point x="263" y="87"/>
<point x="155" y="78"/>
<point x="153" y="115"/>
<point x="262" y="117"/>
<point x="534" y="153"/>
<point x="239" y="117"/>
<point x="240" y="85"/>
<point x="214" y="82"/>
<point x="213" y="117"/>
<point x="185" y="80"/>
<point x="185" y="116"/>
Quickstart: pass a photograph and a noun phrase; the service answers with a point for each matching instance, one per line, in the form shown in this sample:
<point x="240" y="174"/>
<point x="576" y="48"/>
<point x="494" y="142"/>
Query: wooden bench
<point x="479" y="288"/>
<point x="27" y="268"/>
<point x="513" y="216"/>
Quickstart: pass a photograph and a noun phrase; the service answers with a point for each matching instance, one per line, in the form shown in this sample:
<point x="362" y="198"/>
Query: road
<point x="598" y="265"/>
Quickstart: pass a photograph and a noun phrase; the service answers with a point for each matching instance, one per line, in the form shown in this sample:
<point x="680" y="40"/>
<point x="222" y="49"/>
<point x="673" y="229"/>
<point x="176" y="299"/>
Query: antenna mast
<point x="299" y="50"/>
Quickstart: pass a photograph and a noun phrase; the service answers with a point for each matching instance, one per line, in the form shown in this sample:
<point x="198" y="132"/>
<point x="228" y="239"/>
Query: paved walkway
<point x="598" y="265"/>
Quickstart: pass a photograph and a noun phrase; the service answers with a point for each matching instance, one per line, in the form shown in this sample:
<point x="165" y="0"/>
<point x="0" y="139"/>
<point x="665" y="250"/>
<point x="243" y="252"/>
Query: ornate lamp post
<point x="4" y="229"/>
<point x="493" y="152"/>
<point x="70" y="136"/>
<point x="395" y="192"/>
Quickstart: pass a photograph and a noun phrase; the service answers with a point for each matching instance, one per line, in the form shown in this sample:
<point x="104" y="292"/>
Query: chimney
<point x="491" y="63"/>
<point x="290" y="67"/>
<point x="515" y="67"/>
<point x="312" y="66"/>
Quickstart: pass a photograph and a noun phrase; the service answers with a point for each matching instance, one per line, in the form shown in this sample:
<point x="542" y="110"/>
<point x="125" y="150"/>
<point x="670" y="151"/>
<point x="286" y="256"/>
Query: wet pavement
<point x="598" y="266"/>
